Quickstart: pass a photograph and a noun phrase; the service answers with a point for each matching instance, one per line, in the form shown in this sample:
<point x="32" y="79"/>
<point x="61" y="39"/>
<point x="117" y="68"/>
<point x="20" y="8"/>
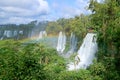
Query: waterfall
<point x="61" y="42"/>
<point x="73" y="44"/>
<point x="8" y="33"/>
<point x="21" y="32"/>
<point x="42" y="34"/>
<point x="1" y="38"/>
<point x="15" y="33"/>
<point x="86" y="53"/>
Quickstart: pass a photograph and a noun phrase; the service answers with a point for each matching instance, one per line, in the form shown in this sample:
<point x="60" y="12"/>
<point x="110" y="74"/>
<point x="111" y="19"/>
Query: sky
<point x="25" y="11"/>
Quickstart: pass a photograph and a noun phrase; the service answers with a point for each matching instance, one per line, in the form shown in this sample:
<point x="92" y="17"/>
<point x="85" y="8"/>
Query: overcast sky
<point x="24" y="11"/>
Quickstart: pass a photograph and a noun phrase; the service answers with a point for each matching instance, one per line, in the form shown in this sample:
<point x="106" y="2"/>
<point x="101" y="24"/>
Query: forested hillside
<point x="35" y="61"/>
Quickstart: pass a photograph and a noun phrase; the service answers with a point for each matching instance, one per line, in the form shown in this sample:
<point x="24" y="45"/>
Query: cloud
<point x="64" y="9"/>
<point x="22" y="9"/>
<point x="69" y="12"/>
<point x="82" y="5"/>
<point x="55" y="5"/>
<point x="70" y="8"/>
<point x="18" y="20"/>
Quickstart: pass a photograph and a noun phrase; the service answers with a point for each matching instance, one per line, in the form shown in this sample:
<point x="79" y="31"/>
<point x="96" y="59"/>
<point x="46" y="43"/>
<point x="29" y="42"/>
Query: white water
<point x="8" y="33"/>
<point x="15" y="33"/>
<point x="61" y="42"/>
<point x="20" y="32"/>
<point x="73" y="44"/>
<point x="86" y="53"/>
<point x="42" y="34"/>
<point x="1" y="38"/>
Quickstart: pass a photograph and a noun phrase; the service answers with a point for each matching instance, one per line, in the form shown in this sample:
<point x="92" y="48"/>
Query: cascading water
<point x="21" y="32"/>
<point x="33" y="35"/>
<point x="61" y="42"/>
<point x="11" y="34"/>
<point x="1" y="38"/>
<point x="73" y="44"/>
<point x="1" y="35"/>
<point x="15" y="33"/>
<point x="8" y="33"/>
<point x="86" y="53"/>
<point x="42" y="34"/>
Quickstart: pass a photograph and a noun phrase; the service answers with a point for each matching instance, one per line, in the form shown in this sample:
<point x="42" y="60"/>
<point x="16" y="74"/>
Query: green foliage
<point x="110" y="66"/>
<point x="37" y="62"/>
<point x="19" y="64"/>
<point x="97" y="69"/>
<point x="32" y="61"/>
<point x="53" y="28"/>
<point x="106" y="17"/>
<point x="72" y="57"/>
<point x="78" y="75"/>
